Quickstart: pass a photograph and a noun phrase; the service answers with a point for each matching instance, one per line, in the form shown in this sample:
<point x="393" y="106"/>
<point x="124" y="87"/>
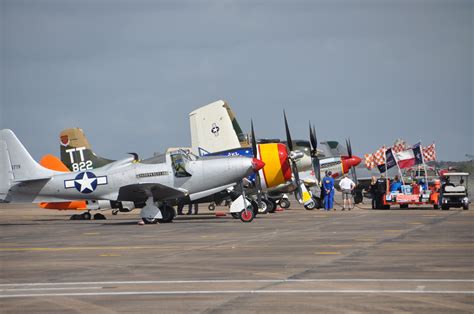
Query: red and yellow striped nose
<point x="277" y="168"/>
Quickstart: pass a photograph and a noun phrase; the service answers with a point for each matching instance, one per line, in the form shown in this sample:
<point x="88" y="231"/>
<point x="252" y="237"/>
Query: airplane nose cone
<point x="257" y="164"/>
<point x="355" y="161"/>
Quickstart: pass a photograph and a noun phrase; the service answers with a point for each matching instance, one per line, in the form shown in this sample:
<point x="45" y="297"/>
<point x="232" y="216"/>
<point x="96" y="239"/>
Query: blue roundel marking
<point x="85" y="182"/>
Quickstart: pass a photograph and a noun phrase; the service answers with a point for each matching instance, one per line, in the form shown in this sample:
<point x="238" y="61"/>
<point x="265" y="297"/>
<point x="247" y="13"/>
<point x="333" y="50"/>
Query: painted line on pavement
<point x="201" y="292"/>
<point x="226" y="281"/>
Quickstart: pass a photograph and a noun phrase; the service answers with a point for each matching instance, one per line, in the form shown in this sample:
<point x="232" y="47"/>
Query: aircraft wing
<point x="140" y="192"/>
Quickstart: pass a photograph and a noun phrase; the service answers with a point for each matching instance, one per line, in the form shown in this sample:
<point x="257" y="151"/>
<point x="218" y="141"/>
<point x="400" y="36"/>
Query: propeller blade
<point x="314" y="152"/>
<point x="258" y="182"/>
<point x="254" y="140"/>
<point x="288" y="135"/>
<point x="312" y="139"/>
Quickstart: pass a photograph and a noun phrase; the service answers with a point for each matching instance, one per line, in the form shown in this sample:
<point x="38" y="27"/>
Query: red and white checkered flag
<point x="399" y="145"/>
<point x="429" y="153"/>
<point x="369" y="161"/>
<point x="379" y="156"/>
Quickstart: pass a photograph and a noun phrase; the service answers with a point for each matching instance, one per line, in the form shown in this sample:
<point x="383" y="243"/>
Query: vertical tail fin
<point x="76" y="152"/>
<point x="214" y="128"/>
<point x="16" y="164"/>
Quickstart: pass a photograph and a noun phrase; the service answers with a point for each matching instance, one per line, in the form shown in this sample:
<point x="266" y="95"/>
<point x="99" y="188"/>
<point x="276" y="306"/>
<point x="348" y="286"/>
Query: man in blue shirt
<point x="328" y="188"/>
<point x="396" y="185"/>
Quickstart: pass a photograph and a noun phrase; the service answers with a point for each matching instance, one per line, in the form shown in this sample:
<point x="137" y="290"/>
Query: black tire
<point x="263" y="208"/>
<point x="211" y="207"/>
<point x="75" y="217"/>
<point x="284" y="203"/>
<point x="255" y="207"/>
<point x="168" y="214"/>
<point x="99" y="216"/>
<point x="358" y="197"/>
<point x="273" y="206"/>
<point x="86" y="216"/>
<point x="246" y="215"/>
<point x="465" y="206"/>
<point x="403" y="205"/>
<point x="235" y="215"/>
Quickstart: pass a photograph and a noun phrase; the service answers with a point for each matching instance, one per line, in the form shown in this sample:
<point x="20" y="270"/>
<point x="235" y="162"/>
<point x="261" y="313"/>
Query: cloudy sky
<point x="129" y="72"/>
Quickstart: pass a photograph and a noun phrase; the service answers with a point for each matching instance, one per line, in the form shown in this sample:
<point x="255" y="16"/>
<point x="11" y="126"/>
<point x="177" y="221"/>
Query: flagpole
<point x="424" y="165"/>
<point x="398" y="166"/>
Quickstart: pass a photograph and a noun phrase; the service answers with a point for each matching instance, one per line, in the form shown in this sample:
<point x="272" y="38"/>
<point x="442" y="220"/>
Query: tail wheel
<point x="284" y="203"/>
<point x="247" y="215"/>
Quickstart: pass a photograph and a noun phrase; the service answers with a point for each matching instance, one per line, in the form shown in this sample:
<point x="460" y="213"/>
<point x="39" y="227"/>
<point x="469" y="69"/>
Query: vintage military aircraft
<point x="152" y="185"/>
<point x="215" y="131"/>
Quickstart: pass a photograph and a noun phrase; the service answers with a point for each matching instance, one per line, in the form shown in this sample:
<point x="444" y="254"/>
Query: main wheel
<point x="271" y="206"/>
<point x="86" y="216"/>
<point x="168" y="214"/>
<point x="358" y="197"/>
<point x="465" y="206"/>
<point x="284" y="203"/>
<point x="99" y="216"/>
<point x="263" y="208"/>
<point x="211" y="206"/>
<point x="247" y="215"/>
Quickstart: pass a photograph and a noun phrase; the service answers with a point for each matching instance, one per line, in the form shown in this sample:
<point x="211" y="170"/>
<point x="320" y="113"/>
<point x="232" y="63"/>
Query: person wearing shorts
<point x="347" y="185"/>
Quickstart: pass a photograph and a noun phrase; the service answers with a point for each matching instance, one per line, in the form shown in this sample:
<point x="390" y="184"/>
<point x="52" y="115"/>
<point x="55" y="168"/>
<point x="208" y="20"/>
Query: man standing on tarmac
<point x="381" y="187"/>
<point x="328" y="187"/>
<point x="346" y="185"/>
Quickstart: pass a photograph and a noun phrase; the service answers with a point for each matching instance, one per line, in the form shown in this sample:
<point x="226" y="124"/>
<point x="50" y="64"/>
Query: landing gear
<point x="358" y="197"/>
<point x="115" y="211"/>
<point x="211" y="207"/>
<point x="168" y="214"/>
<point x="285" y="203"/>
<point x="444" y="207"/>
<point x="150" y="213"/>
<point x="311" y="205"/>
<point x="99" y="216"/>
<point x="86" y="216"/>
<point x="263" y="208"/>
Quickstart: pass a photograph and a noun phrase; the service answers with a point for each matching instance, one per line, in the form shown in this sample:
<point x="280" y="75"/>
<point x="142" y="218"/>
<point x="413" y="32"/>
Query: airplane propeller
<point x="349" y="151"/>
<point x="314" y="152"/>
<point x="294" y="168"/>
<point x="258" y="182"/>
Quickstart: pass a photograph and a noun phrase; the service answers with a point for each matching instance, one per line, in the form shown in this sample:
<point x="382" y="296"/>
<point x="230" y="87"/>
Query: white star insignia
<point x="86" y="182"/>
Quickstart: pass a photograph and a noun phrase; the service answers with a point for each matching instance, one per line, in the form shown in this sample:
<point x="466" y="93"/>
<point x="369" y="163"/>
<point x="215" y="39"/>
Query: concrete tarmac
<point x="358" y="261"/>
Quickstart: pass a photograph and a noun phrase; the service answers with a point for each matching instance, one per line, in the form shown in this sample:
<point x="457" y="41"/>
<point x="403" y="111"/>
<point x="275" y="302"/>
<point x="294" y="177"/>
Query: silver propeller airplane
<point x="153" y="185"/>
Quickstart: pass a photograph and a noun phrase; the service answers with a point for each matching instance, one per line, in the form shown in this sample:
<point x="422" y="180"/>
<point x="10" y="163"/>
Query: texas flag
<point x="410" y="157"/>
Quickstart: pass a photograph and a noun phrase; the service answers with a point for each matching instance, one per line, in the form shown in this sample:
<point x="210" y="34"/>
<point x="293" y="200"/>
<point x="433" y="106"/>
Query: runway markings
<point x="83" y="248"/>
<point x="91" y="233"/>
<point x="231" y="281"/>
<point x="201" y="292"/>
<point x="50" y="289"/>
<point x="109" y="255"/>
<point x="327" y="253"/>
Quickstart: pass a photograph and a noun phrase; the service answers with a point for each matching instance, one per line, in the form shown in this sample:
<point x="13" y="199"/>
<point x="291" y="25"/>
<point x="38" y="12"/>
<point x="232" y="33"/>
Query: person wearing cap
<point x="328" y="187"/>
<point x="346" y="185"/>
